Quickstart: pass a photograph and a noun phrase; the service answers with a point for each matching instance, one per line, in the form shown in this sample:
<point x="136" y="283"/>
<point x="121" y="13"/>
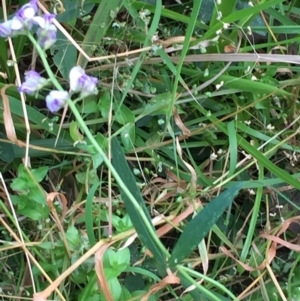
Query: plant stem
<point x="96" y="145"/>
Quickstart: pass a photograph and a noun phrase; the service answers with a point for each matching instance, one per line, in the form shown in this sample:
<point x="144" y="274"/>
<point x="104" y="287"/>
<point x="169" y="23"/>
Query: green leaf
<point x="34" y="116"/>
<point x="120" y="259"/>
<point x="89" y="177"/>
<point x="34" y="211"/>
<point x="104" y="104"/>
<point x="74" y="9"/>
<point x="89" y="213"/>
<point x="74" y="132"/>
<point x="115" y="262"/>
<point x="199" y="226"/>
<point x="40" y="173"/>
<point x="128" y="136"/>
<point x="115" y="288"/>
<point x="124" y="115"/>
<point x="137" y="210"/>
<point x="89" y="106"/>
<point x="37" y="196"/>
<point x="7" y="153"/>
<point x="73" y="237"/>
<point x="65" y="55"/>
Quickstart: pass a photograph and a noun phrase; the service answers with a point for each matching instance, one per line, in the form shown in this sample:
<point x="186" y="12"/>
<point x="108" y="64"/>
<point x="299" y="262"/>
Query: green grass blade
<point x="137" y="211"/>
<point x="254" y="218"/>
<point x="222" y="10"/>
<point x="239" y="15"/>
<point x="102" y="20"/>
<point x="199" y="226"/>
<point x="151" y="32"/>
<point x="89" y="214"/>
<point x="233" y="148"/>
<point x="186" y="44"/>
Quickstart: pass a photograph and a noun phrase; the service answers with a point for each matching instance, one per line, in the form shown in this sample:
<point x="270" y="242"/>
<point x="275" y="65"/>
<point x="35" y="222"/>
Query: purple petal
<point x="81" y="82"/>
<point x="45" y="21"/>
<point x="33" y="83"/>
<point x="27" y="11"/>
<point x="46" y="38"/>
<point x="5" y="29"/>
<point x="74" y="76"/>
<point x="56" y="100"/>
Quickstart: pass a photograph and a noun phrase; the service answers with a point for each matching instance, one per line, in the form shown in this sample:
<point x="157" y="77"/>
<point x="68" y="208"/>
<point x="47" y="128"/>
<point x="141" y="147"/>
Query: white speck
<point x="252" y="192"/>
<point x="218" y="86"/>
<point x="213" y="156"/>
<point x="247" y="70"/>
<point x="226" y="25"/>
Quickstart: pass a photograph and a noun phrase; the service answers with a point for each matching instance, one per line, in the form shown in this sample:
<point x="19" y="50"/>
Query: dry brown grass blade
<point x="178" y="219"/>
<point x="18" y="80"/>
<point x="193" y="187"/>
<point x="278" y="286"/>
<point x="245" y="266"/>
<point x="8" y="121"/>
<point x="32" y="258"/>
<point x="102" y="282"/>
<point x="277" y="240"/>
<point x="50" y="199"/>
<point x="169" y="279"/>
<point x="186" y="132"/>
<point x="245" y="293"/>
<point x="43" y="295"/>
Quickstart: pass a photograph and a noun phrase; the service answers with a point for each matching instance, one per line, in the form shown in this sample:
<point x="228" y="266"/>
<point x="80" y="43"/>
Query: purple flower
<point x="21" y="21"/>
<point x="33" y="83"/>
<point x="46" y="38"/>
<point x="23" y="17"/>
<point x="45" y="22"/>
<point x="80" y="82"/>
<point x="56" y="100"/>
<point x="47" y="32"/>
<point x="5" y="29"/>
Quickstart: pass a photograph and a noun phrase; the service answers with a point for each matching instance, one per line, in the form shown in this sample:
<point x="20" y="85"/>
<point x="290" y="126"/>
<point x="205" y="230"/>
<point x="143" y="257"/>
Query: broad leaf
<point x="199" y="226"/>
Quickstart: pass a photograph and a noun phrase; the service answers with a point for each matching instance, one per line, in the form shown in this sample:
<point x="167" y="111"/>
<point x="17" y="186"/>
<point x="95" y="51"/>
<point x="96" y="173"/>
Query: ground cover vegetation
<point x="149" y="150"/>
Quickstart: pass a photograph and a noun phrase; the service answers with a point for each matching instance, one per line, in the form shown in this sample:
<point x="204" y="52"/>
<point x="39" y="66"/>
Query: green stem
<point x="45" y="62"/>
<point x="96" y="145"/>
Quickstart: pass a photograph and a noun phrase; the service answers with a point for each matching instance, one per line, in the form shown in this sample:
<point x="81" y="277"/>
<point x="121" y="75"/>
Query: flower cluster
<point x="80" y="82"/>
<point x="23" y="21"/>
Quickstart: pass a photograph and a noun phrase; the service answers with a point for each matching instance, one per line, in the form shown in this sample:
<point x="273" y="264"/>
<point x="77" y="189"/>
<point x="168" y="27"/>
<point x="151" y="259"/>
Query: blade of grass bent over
<point x="138" y="212"/>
